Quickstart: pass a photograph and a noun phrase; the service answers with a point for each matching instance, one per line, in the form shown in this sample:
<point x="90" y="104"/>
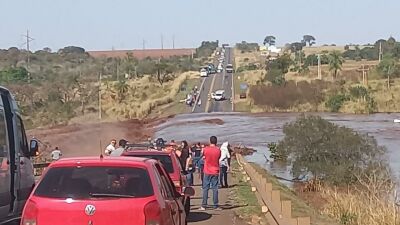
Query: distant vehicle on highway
<point x="16" y="167"/>
<point x="171" y="165"/>
<point x="211" y="69"/>
<point x="229" y="68"/>
<point x="218" y="95"/>
<point x="111" y="190"/>
<point x="225" y="45"/>
<point x="203" y="72"/>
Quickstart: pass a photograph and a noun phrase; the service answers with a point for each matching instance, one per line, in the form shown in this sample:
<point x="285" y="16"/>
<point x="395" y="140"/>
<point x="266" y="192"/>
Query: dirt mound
<point x="90" y="139"/>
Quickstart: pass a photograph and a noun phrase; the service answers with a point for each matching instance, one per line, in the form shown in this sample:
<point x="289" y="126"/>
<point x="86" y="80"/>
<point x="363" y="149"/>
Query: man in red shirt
<point x="211" y="156"/>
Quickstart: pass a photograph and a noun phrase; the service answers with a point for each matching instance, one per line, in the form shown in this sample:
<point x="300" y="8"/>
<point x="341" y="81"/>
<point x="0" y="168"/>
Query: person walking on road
<point x="111" y="147"/>
<point x="224" y="165"/>
<point x="211" y="155"/>
<point x="121" y="148"/>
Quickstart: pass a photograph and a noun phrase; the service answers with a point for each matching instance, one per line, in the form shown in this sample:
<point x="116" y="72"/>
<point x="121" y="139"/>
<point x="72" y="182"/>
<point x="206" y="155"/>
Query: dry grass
<point x="371" y="202"/>
<point x="143" y="96"/>
<point x="320" y="49"/>
<point x="246" y="58"/>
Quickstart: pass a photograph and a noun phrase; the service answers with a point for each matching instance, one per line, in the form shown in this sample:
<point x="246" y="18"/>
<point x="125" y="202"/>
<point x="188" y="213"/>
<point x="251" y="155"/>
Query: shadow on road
<point x="229" y="206"/>
<point x="198" y="216"/>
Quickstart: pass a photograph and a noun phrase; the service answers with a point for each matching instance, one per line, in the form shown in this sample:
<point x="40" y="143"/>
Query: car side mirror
<point x="34" y="148"/>
<point x="189" y="191"/>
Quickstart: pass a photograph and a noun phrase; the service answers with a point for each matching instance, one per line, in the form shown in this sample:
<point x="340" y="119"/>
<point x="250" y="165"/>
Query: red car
<point x="105" y="191"/>
<point x="171" y="165"/>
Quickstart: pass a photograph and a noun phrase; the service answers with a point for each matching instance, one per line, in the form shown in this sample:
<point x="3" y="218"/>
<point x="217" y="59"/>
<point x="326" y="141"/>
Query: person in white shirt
<point x="56" y="154"/>
<point x="224" y="165"/>
<point x="111" y="147"/>
<point x="122" y="146"/>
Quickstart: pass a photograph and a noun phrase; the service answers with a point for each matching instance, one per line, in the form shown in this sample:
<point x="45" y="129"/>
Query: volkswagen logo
<point x="90" y="210"/>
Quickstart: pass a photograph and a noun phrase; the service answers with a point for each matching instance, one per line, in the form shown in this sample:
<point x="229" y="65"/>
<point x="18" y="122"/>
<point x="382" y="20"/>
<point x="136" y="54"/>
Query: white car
<point x="218" y="95"/>
<point x="203" y="73"/>
<point x="229" y="68"/>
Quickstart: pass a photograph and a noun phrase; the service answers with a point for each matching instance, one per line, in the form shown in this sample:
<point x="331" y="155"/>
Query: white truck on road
<point x="16" y="167"/>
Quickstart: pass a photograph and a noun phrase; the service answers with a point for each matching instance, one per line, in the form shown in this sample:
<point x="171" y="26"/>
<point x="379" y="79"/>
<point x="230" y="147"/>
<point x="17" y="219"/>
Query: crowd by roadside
<point x="209" y="161"/>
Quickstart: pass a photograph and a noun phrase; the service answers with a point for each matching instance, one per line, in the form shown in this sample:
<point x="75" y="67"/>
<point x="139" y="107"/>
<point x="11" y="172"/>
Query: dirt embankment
<point x="90" y="139"/>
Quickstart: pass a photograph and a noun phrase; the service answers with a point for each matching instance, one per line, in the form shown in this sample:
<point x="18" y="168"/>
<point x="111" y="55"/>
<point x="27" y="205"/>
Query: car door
<point x="26" y="180"/>
<point x="5" y="168"/>
<point x="175" y="209"/>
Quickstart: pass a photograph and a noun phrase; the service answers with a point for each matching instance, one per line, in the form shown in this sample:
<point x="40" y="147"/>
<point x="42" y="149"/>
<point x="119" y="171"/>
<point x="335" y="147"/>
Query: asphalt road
<point x="214" y="82"/>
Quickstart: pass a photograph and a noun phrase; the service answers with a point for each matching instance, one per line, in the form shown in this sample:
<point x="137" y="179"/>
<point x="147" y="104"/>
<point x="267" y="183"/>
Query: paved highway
<point x="214" y="82"/>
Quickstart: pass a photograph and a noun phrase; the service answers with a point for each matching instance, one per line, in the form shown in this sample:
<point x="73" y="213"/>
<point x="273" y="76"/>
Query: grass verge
<point x="249" y="209"/>
<point x="299" y="207"/>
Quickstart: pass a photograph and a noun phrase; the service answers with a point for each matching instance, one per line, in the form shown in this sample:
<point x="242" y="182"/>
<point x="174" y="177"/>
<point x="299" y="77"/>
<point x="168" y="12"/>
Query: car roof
<point x="145" y="152"/>
<point x="97" y="161"/>
<point x="219" y="92"/>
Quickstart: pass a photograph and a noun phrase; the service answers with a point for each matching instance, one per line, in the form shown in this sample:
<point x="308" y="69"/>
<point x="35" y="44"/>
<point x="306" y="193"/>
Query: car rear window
<point x="165" y="160"/>
<point x="92" y="182"/>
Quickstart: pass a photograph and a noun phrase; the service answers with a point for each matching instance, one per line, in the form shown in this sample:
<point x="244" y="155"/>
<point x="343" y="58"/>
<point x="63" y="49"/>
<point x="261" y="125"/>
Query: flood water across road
<point x="256" y="130"/>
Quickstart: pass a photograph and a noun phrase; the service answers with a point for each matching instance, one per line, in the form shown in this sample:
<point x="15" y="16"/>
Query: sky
<point x="124" y="24"/>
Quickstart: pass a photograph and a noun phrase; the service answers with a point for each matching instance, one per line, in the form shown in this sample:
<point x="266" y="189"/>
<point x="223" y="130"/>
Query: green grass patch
<point x="244" y="197"/>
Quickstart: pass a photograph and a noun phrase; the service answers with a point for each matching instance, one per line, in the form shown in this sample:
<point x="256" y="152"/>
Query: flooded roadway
<point x="256" y="130"/>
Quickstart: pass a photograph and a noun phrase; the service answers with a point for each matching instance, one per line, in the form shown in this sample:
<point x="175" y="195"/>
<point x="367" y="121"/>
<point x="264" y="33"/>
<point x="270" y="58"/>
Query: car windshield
<point x="95" y="182"/>
<point x="165" y="160"/>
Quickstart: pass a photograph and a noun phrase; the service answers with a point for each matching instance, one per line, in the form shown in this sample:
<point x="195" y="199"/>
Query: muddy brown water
<point x="256" y="130"/>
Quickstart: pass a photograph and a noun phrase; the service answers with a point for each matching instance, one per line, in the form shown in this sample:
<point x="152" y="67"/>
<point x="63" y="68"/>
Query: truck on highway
<point x="16" y="167"/>
<point x="203" y="72"/>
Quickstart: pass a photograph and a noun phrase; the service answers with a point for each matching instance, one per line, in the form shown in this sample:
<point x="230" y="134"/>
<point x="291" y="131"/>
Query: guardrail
<point x="277" y="211"/>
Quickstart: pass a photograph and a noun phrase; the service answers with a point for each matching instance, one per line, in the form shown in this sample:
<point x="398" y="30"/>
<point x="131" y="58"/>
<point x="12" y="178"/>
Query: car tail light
<point x="30" y="214"/>
<point x="152" y="213"/>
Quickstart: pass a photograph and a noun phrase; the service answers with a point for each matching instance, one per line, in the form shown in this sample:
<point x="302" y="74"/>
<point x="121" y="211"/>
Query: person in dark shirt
<point x="187" y="162"/>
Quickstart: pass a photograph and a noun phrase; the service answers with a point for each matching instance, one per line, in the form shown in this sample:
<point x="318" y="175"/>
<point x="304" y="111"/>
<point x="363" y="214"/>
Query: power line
<point x="29" y="39"/>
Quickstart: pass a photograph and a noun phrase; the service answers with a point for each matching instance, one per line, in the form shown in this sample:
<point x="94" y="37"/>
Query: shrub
<point x="335" y="102"/>
<point x="335" y="154"/>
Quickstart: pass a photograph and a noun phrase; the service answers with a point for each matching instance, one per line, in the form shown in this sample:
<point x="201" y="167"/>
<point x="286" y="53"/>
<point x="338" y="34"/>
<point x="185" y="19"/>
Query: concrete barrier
<point x="277" y="211"/>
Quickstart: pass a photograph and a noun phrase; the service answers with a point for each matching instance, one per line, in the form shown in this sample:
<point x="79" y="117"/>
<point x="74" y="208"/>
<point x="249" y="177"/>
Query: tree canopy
<point x="323" y="150"/>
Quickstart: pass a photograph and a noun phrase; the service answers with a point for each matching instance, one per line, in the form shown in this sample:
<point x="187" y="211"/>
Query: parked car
<point x="16" y="165"/>
<point x="229" y="68"/>
<point x="104" y="191"/>
<point x="203" y="73"/>
<point x="171" y="165"/>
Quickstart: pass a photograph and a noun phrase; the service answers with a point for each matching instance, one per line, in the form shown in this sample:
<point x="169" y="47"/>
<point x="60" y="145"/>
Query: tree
<point x="324" y="151"/>
<point x="163" y="70"/>
<point x="387" y="65"/>
<point x="270" y="40"/>
<point x="296" y="46"/>
<point x="122" y="88"/>
<point x="335" y="62"/>
<point x="308" y="39"/>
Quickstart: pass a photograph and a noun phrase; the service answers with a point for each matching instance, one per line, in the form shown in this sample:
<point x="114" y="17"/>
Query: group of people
<point x="211" y="162"/>
<point x="192" y="97"/>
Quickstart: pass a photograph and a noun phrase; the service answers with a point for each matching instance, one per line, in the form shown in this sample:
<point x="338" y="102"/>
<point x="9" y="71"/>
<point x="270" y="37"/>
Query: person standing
<point x="111" y="147"/>
<point x="184" y="158"/>
<point x="121" y="148"/>
<point x="56" y="154"/>
<point x="201" y="165"/>
<point x="224" y="165"/>
<point x="211" y="155"/>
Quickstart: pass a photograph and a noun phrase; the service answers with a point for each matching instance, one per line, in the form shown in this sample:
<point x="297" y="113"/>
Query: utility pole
<point x="173" y="42"/>
<point x="364" y="71"/>
<point x="162" y="41"/>
<point x="380" y="51"/>
<point x="100" y="113"/>
<point x="144" y="44"/>
<point x="319" y="67"/>
<point x="28" y="60"/>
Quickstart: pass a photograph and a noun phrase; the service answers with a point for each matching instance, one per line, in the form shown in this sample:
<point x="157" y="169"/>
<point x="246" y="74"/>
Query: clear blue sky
<point x="123" y="24"/>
